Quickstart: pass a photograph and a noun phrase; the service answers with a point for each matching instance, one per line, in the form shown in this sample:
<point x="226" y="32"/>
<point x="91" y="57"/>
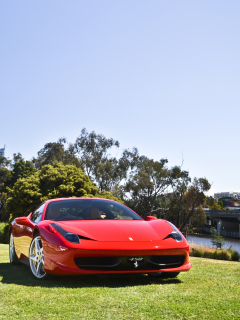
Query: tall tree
<point x="179" y="181"/>
<point x="20" y="168"/>
<point x="3" y="212"/>
<point x="11" y="171"/>
<point x="146" y="181"/>
<point x="5" y="173"/>
<point x="92" y="150"/>
<point x="105" y="170"/>
<point x="191" y="203"/>
<point x="56" y="151"/>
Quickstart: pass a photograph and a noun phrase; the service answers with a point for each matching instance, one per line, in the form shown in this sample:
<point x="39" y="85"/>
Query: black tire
<point x="36" y="258"/>
<point x="164" y="275"/>
<point x="12" y="253"/>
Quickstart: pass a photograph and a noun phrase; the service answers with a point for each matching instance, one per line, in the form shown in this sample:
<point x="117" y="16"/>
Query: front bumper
<point x="62" y="260"/>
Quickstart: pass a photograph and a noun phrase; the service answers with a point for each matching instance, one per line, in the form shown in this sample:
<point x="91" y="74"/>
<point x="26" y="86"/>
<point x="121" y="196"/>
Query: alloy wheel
<point x="36" y="258"/>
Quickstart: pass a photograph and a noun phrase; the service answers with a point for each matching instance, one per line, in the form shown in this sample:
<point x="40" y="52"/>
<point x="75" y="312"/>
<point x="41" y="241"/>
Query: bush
<point x="224" y="255"/>
<point x="207" y="254"/>
<point x="198" y="253"/>
<point x="234" y="255"/>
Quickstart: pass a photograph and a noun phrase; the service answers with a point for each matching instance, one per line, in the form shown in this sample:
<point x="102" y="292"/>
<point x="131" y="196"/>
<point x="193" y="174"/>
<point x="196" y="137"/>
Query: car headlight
<point x="69" y="236"/>
<point x="175" y="234"/>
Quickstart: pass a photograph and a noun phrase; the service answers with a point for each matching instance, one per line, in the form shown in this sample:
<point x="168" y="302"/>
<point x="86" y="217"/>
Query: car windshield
<point x="88" y="209"/>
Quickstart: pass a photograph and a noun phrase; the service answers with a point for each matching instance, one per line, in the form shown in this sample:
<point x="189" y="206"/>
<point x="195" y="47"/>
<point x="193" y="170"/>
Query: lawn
<point x="210" y="290"/>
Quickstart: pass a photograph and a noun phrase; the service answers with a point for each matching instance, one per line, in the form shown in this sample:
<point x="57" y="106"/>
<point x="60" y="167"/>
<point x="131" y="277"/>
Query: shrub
<point x="224" y="255"/>
<point x="234" y="255"/>
<point x="198" y="253"/>
<point x="207" y="254"/>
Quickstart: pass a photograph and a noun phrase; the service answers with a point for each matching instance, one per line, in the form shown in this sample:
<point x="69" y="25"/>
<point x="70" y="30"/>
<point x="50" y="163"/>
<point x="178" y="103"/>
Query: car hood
<point x="119" y="230"/>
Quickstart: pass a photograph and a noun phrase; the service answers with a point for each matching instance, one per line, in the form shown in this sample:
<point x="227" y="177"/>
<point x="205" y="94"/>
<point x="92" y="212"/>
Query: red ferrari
<point x="89" y="236"/>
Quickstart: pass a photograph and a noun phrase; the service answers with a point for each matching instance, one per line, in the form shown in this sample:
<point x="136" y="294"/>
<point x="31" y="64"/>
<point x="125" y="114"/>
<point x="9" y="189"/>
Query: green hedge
<point x="229" y="254"/>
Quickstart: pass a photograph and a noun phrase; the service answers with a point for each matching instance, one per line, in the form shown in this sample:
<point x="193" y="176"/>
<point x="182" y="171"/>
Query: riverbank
<point x="213" y="253"/>
<point x="205" y="241"/>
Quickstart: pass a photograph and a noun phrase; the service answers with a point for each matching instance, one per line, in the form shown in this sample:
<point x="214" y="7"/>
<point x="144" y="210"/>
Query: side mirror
<point x="150" y="218"/>
<point x="24" y="221"/>
<point x="21" y="219"/>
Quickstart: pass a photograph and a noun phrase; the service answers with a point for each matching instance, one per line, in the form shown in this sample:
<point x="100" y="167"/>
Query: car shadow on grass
<point x="21" y="275"/>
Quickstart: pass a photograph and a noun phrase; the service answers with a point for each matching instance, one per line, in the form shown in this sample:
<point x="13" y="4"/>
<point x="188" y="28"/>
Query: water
<point x="206" y="242"/>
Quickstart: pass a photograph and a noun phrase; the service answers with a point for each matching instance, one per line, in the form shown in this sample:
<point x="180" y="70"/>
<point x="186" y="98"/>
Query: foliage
<point x="199" y="218"/>
<point x="161" y="205"/>
<point x="219" y="254"/>
<point x="186" y="202"/>
<point x="216" y="238"/>
<point x="19" y="168"/>
<point x="4" y="232"/>
<point x="147" y="180"/>
<point x="52" y="181"/>
<point x="92" y="150"/>
<point x="216" y="206"/>
<point x="55" y="151"/>
<point x="234" y="255"/>
<point x="179" y="185"/>
<point x="212" y="204"/>
<point x="3" y="212"/>
<point x="198" y="253"/>
<point x="105" y="170"/>
<point x="209" y="201"/>
<point x="107" y="195"/>
<point x="5" y="175"/>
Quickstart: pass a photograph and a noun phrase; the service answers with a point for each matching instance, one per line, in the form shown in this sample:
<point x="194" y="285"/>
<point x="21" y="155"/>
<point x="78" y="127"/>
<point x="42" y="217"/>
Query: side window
<point x="37" y="214"/>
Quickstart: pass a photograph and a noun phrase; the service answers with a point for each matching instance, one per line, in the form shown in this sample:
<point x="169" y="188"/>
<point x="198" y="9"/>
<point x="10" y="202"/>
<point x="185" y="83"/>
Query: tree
<point x="216" y="206"/>
<point x="5" y="173"/>
<point x="147" y="181"/>
<point x="52" y="181"/>
<point x="55" y="151"/>
<point x="199" y="218"/>
<point x="105" y="170"/>
<point x="195" y="197"/>
<point x="20" y="169"/>
<point x="92" y="150"/>
<point x="212" y="204"/>
<point x="5" y="176"/>
<point x="109" y="173"/>
<point x="179" y="181"/>
<point x="216" y="238"/>
<point x="190" y="205"/>
<point x="209" y="201"/>
<point x="3" y="213"/>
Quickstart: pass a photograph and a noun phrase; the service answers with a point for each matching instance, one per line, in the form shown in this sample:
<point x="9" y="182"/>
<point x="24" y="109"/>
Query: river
<point x="205" y="241"/>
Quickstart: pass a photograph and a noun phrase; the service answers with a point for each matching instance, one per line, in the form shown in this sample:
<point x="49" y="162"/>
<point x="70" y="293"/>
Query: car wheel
<point x="12" y="253"/>
<point x="164" y="275"/>
<point x="36" y="257"/>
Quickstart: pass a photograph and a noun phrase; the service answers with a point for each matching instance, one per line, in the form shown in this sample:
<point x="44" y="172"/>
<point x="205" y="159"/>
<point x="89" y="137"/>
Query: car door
<point x="27" y="227"/>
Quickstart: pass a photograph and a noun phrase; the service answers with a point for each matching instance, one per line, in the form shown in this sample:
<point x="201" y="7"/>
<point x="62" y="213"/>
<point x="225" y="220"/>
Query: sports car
<point x="70" y="236"/>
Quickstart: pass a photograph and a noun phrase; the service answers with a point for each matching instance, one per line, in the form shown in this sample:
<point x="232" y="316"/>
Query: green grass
<point x="210" y="290"/>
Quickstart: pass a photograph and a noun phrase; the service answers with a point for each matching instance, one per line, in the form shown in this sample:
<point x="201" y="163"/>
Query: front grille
<point x="130" y="263"/>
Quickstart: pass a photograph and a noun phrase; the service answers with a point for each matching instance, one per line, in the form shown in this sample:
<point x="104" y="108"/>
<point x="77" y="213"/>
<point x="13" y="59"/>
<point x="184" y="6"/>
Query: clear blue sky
<point x="163" y="76"/>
